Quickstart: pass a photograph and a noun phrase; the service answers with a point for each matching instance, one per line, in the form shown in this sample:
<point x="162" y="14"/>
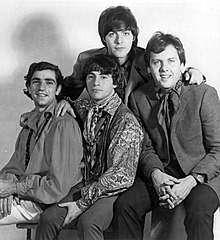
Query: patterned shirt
<point x="123" y="147"/>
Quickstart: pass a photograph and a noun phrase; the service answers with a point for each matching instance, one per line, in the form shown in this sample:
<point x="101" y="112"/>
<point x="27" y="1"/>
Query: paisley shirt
<point x="123" y="147"/>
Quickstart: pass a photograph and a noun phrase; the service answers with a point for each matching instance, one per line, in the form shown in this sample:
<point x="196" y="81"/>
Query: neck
<point x="122" y="60"/>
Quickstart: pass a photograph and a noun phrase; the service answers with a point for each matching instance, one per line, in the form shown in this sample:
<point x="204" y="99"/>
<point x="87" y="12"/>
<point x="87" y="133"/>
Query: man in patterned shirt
<point x="112" y="145"/>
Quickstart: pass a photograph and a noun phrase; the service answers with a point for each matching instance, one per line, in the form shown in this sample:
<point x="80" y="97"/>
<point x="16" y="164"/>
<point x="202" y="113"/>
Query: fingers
<point x="63" y="204"/>
<point x="58" y="110"/>
<point x="9" y="204"/>
<point x="71" y="112"/>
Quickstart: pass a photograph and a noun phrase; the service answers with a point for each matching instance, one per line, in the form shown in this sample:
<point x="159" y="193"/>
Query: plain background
<point x="56" y="31"/>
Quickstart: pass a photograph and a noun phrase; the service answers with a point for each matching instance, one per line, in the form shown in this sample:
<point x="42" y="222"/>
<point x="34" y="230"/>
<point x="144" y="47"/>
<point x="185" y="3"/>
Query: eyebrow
<point x="46" y="79"/>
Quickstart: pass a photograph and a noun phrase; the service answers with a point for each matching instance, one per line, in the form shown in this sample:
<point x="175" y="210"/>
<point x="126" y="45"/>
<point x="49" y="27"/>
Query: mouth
<point x="96" y="90"/>
<point x="165" y="76"/>
<point x="39" y="94"/>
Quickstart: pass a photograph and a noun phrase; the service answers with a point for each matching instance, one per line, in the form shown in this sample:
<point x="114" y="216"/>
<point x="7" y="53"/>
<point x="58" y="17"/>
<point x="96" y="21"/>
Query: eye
<point x="89" y="77"/>
<point x="172" y="60"/>
<point x="111" y="34"/>
<point x="34" y="81"/>
<point x="155" y="62"/>
<point x="103" y="77"/>
<point x="127" y="33"/>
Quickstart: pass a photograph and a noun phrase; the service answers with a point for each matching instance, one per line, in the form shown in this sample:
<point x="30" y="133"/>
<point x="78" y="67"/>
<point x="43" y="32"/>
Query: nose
<point x="42" y="85"/>
<point x="119" y="38"/>
<point x="164" y="66"/>
<point x="96" y="81"/>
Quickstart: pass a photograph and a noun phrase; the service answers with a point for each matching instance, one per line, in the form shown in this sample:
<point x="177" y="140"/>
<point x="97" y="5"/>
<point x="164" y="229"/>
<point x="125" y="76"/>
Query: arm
<point x="194" y="76"/>
<point x="123" y="152"/>
<point x="73" y="84"/>
<point x="210" y="119"/>
<point x="61" y="161"/>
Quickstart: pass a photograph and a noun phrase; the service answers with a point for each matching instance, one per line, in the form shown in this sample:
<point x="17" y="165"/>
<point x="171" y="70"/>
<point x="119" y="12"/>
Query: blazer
<point x="74" y="85"/>
<point x="195" y="132"/>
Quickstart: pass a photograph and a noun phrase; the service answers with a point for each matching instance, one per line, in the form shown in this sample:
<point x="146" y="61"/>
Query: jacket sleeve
<point x="74" y="84"/>
<point x="210" y="120"/>
<point x="14" y="169"/>
<point x="123" y="153"/>
<point x="62" y="159"/>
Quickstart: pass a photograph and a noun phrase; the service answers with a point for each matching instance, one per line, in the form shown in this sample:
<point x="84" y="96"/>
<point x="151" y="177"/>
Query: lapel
<point x="138" y="73"/>
<point x="184" y="98"/>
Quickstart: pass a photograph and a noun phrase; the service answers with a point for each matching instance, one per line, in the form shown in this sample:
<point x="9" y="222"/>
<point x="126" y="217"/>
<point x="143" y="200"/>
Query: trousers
<point x="91" y="224"/>
<point x="131" y="207"/>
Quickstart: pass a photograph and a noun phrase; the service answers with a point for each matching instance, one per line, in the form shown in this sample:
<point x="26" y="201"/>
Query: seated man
<point x="48" y="153"/>
<point x="180" y="160"/>
<point x="112" y="144"/>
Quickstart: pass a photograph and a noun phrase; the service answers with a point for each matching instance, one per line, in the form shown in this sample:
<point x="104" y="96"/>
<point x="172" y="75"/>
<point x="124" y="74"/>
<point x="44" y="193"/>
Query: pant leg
<point x="200" y="205"/>
<point x="52" y="218"/>
<point x="95" y="220"/>
<point x="130" y="210"/>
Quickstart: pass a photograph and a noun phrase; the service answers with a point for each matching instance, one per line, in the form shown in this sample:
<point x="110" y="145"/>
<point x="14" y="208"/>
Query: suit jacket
<point x="74" y="85"/>
<point x="195" y="131"/>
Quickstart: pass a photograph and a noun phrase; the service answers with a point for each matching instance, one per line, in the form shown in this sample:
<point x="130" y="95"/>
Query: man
<point x="118" y="32"/>
<point x="112" y="144"/>
<point x="181" y="157"/>
<point x="48" y="152"/>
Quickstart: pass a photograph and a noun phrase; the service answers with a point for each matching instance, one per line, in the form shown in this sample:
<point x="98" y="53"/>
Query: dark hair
<point x="40" y="66"/>
<point x="117" y="18"/>
<point x="159" y="41"/>
<point x="106" y="64"/>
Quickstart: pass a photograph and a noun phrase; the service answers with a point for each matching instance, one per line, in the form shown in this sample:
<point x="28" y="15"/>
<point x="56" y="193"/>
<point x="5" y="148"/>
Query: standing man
<point x="48" y="152"/>
<point x="180" y="161"/>
<point x="112" y="145"/>
<point x="118" y="32"/>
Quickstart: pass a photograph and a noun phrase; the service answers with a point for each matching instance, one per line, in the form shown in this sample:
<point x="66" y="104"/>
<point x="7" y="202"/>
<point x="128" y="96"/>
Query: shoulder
<point x="124" y="113"/>
<point x="199" y="90"/>
<point x="65" y="123"/>
<point x="91" y="52"/>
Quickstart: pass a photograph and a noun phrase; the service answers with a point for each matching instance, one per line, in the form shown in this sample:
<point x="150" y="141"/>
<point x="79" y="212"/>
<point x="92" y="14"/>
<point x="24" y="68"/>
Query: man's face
<point x="43" y="88"/>
<point x="119" y="43"/>
<point x="165" y="67"/>
<point x="99" y="86"/>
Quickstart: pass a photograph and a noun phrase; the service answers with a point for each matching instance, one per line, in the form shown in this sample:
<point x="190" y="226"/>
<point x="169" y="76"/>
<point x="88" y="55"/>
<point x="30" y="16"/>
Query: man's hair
<point x="40" y="66"/>
<point x="159" y="41"/>
<point x="116" y="19"/>
<point x="105" y="64"/>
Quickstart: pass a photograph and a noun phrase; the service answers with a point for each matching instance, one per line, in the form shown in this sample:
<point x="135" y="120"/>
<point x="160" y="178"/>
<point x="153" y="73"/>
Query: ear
<point x="58" y="89"/>
<point x="114" y="86"/>
<point x="148" y="70"/>
<point x="182" y="68"/>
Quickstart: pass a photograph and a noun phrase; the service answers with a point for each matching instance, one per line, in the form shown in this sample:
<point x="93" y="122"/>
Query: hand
<point x="62" y="107"/>
<point x="5" y="205"/>
<point x="163" y="185"/>
<point x="182" y="189"/>
<point x="73" y="212"/>
<point x="24" y="118"/>
<point x="7" y="188"/>
<point x="194" y="76"/>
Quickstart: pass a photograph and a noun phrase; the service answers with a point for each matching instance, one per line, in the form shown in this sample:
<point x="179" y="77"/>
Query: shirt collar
<point x="36" y="118"/>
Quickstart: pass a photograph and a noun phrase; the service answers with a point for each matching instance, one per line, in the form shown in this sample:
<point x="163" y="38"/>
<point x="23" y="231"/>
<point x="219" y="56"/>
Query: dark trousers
<point x="131" y="207"/>
<point x="91" y="224"/>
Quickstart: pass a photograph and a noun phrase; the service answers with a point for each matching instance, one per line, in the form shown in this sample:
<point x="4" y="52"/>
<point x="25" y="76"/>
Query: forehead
<point x="97" y="73"/>
<point x="169" y="52"/>
<point x="44" y="74"/>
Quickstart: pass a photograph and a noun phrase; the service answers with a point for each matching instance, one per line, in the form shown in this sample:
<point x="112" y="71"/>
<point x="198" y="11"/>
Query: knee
<point x="122" y="205"/>
<point x="85" y="224"/>
<point x="52" y="215"/>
